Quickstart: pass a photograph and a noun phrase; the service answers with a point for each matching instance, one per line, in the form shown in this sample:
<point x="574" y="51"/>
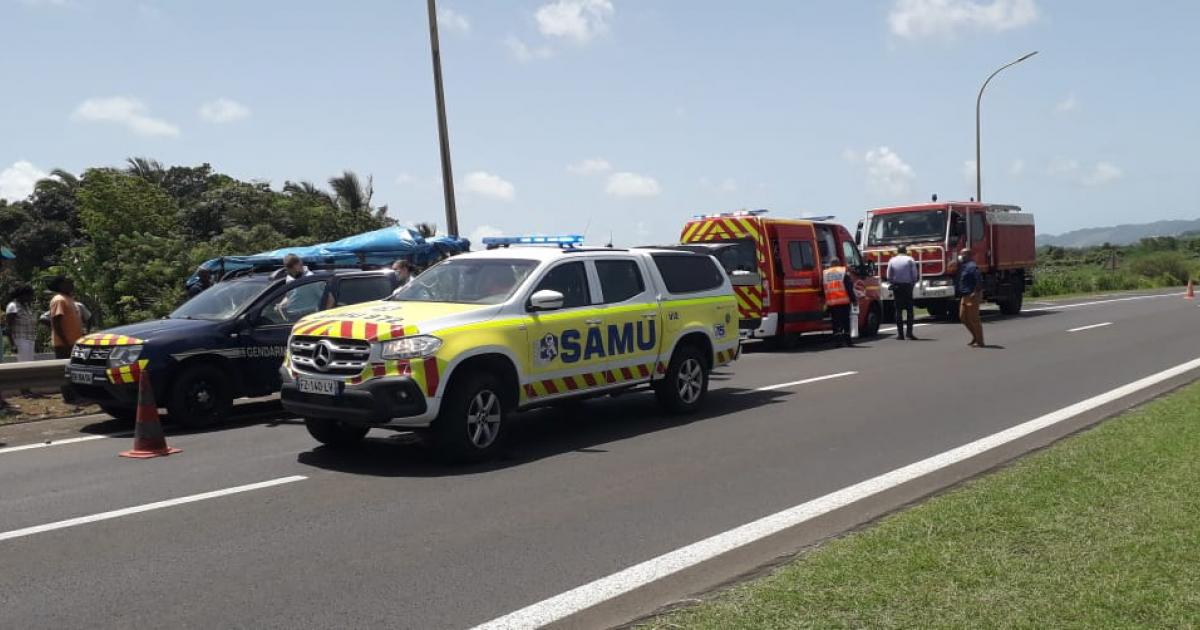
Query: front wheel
<point x="335" y="433"/>
<point x="1012" y="305"/>
<point x="469" y="426"/>
<point x="200" y="397"/>
<point x="874" y="318"/>
<point x="686" y="382"/>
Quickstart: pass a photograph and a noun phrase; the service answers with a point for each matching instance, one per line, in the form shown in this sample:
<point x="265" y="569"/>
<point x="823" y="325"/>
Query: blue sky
<point x="625" y="116"/>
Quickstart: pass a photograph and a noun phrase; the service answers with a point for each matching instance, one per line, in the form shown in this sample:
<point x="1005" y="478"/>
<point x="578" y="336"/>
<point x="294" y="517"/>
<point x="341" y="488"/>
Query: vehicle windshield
<point x="736" y="255"/>
<point x="222" y="300"/>
<point x="907" y="227"/>
<point x="467" y="281"/>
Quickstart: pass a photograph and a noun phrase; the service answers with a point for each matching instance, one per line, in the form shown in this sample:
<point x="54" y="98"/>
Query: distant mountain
<point x="1119" y="234"/>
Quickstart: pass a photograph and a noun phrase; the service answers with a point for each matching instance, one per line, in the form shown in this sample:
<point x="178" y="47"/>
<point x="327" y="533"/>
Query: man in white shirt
<point x="902" y="274"/>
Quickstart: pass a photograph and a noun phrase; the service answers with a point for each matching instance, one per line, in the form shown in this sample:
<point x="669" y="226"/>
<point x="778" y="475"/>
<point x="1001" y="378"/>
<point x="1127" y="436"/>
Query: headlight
<point x="123" y="355"/>
<point x="411" y="347"/>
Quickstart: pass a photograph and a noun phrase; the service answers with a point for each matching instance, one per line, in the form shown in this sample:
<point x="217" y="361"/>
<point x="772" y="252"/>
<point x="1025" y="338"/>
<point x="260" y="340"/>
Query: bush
<point x="1170" y="267"/>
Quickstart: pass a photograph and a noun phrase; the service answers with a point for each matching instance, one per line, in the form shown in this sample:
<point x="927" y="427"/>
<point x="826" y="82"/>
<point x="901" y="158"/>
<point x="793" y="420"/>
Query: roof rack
<point x="566" y="241"/>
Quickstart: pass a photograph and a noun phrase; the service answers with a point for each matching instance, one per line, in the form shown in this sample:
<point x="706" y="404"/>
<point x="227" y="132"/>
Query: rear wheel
<point x="874" y="318"/>
<point x="469" y="426"/>
<point x="686" y="382"/>
<point x="124" y="414"/>
<point x="200" y="397"/>
<point x="1011" y="305"/>
<point x="335" y="433"/>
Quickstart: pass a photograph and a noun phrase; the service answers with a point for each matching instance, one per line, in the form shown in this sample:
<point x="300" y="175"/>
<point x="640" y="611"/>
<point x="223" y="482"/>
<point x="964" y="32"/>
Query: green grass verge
<point x="1099" y="531"/>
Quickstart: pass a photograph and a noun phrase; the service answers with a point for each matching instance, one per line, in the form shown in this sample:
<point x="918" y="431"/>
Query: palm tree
<point x="307" y="189"/>
<point x="426" y="230"/>
<point x="350" y="194"/>
<point x="147" y="169"/>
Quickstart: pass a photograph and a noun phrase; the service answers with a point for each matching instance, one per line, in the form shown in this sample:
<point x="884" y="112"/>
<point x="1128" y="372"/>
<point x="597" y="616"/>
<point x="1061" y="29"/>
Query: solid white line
<point x="893" y="328"/>
<point x="104" y="516"/>
<point x="805" y="381"/>
<point x="593" y="593"/>
<point x="86" y="438"/>
<point x="1093" y="303"/>
<point x="1089" y="327"/>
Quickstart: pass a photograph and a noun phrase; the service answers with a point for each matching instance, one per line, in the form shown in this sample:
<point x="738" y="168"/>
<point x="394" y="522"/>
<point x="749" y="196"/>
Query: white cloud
<point x="1068" y="104"/>
<point x="450" y="21"/>
<point x="524" y="52"/>
<point x="16" y="181"/>
<point x="482" y="232"/>
<point x="887" y="174"/>
<point x="125" y="111"/>
<point x="489" y="185"/>
<point x="576" y="20"/>
<point x="223" y="110"/>
<point x="727" y="185"/>
<point x="1063" y="167"/>
<point x="404" y="179"/>
<point x="1102" y="173"/>
<point x="1017" y="167"/>
<point x="626" y="184"/>
<point x="592" y="166"/>
<point x="914" y="19"/>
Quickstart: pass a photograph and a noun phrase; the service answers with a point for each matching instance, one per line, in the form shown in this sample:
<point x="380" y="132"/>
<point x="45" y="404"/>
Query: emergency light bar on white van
<point x="737" y="213"/>
<point x="567" y="240"/>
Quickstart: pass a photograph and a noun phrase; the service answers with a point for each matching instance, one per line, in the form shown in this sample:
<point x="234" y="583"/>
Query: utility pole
<point x="978" y="101"/>
<point x="443" y="132"/>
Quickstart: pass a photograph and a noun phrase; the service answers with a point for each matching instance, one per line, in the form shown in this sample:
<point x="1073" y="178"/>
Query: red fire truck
<point x="776" y="266"/>
<point x="1001" y="237"/>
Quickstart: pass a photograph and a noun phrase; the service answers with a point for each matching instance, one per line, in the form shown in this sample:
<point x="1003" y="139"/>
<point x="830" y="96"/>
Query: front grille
<point x="335" y="357"/>
<point x="89" y="355"/>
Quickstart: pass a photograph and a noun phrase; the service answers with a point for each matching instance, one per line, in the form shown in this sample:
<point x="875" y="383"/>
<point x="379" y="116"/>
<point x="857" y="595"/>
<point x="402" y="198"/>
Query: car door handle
<point x="593" y="322"/>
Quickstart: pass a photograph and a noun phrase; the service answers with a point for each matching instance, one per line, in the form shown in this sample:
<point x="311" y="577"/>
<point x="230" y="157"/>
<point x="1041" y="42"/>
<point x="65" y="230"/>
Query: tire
<point x="335" y="433"/>
<point x="685" y="385"/>
<point x="1012" y="306"/>
<point x="874" y="319"/>
<point x="469" y="426"/>
<point x="124" y="414"/>
<point x="201" y="396"/>
<point x="945" y="310"/>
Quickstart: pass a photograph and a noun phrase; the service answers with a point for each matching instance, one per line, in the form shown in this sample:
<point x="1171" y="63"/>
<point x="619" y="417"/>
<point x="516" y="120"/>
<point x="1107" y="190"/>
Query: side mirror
<point x="546" y="300"/>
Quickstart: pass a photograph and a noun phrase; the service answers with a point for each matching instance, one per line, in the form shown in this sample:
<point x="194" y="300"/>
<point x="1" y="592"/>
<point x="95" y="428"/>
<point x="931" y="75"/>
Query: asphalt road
<point x="385" y="537"/>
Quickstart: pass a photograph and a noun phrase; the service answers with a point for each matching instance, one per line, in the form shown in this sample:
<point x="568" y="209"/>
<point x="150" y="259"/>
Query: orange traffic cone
<point x="148" y="438"/>
<point x="1191" y="292"/>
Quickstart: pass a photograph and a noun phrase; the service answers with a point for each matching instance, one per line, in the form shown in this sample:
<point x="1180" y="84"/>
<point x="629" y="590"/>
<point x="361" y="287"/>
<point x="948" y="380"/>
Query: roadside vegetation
<point x="130" y="236"/>
<point x="1099" y="531"/>
<point x="1164" y="261"/>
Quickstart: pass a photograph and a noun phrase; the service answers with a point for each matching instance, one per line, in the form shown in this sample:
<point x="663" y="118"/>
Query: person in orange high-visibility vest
<point x="839" y="293"/>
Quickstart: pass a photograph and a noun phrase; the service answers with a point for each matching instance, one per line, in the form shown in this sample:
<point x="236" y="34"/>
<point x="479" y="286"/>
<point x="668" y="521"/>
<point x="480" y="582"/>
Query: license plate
<point x="81" y="377"/>
<point x="317" y="386"/>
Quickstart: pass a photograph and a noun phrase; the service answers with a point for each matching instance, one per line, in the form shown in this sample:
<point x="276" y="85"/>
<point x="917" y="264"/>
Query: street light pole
<point x="443" y="132"/>
<point x="978" y="101"/>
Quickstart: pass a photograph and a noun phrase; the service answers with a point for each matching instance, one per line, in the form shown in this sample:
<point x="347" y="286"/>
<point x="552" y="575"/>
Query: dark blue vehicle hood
<point x="165" y="330"/>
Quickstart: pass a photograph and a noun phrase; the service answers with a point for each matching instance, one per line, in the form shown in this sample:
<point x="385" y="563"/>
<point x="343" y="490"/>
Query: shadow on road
<point x="266" y="412"/>
<point x="538" y="434"/>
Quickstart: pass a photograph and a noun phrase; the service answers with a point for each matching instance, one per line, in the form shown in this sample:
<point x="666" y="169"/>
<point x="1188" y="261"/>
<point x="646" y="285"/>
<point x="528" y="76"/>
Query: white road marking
<point x="86" y="438"/>
<point x="893" y="328"/>
<point x="1095" y="302"/>
<point x="1089" y="327"/>
<point x="805" y="381"/>
<point x="104" y="516"/>
<point x="603" y="589"/>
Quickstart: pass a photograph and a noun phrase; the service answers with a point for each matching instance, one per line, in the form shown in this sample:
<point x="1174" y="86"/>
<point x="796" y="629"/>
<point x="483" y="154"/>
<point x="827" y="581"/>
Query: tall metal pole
<point x="443" y="132"/>
<point x="978" y="101"/>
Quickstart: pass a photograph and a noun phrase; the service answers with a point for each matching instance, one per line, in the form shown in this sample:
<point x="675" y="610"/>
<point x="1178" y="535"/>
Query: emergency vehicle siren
<point x="148" y="438"/>
<point x="565" y="241"/>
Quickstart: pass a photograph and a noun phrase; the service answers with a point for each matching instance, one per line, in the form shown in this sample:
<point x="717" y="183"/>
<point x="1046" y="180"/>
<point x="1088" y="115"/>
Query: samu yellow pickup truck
<point x="482" y="335"/>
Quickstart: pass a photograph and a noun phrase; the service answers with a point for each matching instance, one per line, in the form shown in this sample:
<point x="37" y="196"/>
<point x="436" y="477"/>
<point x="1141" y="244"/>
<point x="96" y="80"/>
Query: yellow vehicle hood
<point x="380" y="321"/>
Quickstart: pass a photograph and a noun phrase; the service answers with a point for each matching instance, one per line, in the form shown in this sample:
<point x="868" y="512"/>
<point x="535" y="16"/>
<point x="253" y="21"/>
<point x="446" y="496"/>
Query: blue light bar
<point x="567" y="240"/>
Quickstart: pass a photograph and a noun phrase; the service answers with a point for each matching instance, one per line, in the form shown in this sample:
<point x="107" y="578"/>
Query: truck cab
<point x="225" y="343"/>
<point x="776" y="267"/>
<point x="485" y="334"/>
<point x="1000" y="236"/>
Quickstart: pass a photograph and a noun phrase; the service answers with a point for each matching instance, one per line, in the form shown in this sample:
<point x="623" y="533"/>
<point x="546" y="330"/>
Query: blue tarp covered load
<point x="380" y="247"/>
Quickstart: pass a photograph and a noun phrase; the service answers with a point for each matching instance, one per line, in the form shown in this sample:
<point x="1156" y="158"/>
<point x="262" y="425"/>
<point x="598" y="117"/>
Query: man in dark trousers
<point x="902" y="275"/>
<point x="970" y="295"/>
<point x="839" y="294"/>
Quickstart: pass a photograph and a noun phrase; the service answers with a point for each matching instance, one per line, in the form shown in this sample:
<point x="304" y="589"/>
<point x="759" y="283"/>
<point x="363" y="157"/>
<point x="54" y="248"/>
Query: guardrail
<point x="32" y="374"/>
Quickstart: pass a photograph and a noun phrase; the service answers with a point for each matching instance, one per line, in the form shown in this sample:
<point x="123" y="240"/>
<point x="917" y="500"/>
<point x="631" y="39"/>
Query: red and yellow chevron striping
<point x="101" y="339"/>
<point x="127" y="374"/>
<point x="353" y="329"/>
<point x="603" y="378"/>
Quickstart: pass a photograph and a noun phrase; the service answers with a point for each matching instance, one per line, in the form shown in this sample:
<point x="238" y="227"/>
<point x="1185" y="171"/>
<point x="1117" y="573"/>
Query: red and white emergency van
<point x="776" y="267"/>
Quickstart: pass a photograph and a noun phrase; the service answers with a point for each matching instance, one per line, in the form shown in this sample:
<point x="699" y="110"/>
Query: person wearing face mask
<point x="969" y="287"/>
